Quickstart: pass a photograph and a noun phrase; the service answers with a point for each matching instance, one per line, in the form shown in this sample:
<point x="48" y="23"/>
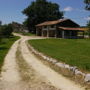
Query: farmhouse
<point x="63" y="28"/>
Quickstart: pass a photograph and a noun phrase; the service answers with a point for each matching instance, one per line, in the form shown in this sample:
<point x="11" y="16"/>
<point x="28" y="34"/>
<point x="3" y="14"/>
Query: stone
<point x="39" y="53"/>
<point x="67" y="67"/>
<point x="53" y="60"/>
<point x="35" y="52"/>
<point x="77" y="72"/>
<point x="44" y="57"/>
<point x="48" y="59"/>
<point x="87" y="78"/>
<point x="73" y="69"/>
<point x="60" y="65"/>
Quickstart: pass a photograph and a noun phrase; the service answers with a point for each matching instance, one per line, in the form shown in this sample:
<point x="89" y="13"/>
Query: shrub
<point x="6" y="31"/>
<point x="0" y="35"/>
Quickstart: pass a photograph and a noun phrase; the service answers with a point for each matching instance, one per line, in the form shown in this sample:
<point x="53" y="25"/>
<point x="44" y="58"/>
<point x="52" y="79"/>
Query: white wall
<point x="49" y="27"/>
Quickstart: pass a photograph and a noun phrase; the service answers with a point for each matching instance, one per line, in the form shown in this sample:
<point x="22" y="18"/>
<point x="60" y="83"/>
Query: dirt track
<point x="23" y="71"/>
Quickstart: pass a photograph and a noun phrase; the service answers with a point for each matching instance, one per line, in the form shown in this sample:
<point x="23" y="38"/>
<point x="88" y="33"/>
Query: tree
<point x="16" y="26"/>
<point x="88" y="26"/>
<point x="0" y="35"/>
<point x="0" y="23"/>
<point x="0" y="31"/>
<point x="6" y="31"/>
<point x="39" y="11"/>
<point x="87" y="2"/>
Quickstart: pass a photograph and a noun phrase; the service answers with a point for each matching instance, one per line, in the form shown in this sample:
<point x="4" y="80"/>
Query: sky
<point x="11" y="10"/>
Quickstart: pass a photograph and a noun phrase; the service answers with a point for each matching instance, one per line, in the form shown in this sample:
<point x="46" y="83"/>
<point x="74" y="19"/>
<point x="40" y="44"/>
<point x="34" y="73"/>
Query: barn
<point x="63" y="28"/>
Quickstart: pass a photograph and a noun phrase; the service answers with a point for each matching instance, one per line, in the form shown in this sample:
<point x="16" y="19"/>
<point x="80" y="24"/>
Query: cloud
<point x="80" y="10"/>
<point x="87" y="18"/>
<point x="68" y="9"/>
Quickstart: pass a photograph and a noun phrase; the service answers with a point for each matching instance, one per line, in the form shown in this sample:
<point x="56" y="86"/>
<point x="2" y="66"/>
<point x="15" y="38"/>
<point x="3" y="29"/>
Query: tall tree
<point x="0" y="35"/>
<point x="88" y="26"/>
<point x="39" y="11"/>
<point x="87" y="2"/>
<point x="0" y="23"/>
<point x="0" y="31"/>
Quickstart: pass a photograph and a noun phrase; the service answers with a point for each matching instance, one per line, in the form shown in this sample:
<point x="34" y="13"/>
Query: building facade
<point x="63" y="28"/>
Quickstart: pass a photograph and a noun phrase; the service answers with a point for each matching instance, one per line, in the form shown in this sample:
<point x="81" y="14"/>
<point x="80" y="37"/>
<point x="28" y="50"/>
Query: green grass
<point x="75" y="52"/>
<point x="4" y="47"/>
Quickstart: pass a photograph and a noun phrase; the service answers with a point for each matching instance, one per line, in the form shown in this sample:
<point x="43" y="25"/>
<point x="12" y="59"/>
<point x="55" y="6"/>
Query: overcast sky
<point x="10" y="10"/>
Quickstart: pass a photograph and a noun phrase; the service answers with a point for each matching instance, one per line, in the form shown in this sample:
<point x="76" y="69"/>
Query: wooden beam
<point x="36" y="32"/>
<point x="47" y="31"/>
<point x="56" y="29"/>
<point x="63" y="34"/>
<point x="70" y="34"/>
<point x="83" y="34"/>
<point x="42" y="33"/>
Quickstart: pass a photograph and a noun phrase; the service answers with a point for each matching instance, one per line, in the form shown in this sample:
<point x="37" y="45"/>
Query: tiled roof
<point x="51" y="22"/>
<point x="75" y="29"/>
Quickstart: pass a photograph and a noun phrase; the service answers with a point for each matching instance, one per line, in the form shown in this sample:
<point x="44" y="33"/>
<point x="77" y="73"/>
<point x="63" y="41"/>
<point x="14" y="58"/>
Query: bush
<point x="0" y="39"/>
<point x="6" y="31"/>
<point x="0" y="35"/>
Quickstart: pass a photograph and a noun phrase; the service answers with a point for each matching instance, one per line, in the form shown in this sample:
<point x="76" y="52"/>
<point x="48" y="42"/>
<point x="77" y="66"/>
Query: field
<point x="75" y="52"/>
<point x="4" y="47"/>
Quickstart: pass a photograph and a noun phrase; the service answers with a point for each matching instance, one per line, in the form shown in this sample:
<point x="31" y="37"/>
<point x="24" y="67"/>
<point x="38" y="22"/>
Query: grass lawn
<point x="4" y="47"/>
<point x="75" y="52"/>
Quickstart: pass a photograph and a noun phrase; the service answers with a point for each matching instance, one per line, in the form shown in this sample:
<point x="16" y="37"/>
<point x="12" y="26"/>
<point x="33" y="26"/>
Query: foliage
<point x="40" y="11"/>
<point x="17" y="27"/>
<point x="6" y="31"/>
<point x="0" y="23"/>
<point x="75" y="52"/>
<point x="0" y="34"/>
<point x="88" y="25"/>
<point x="87" y="2"/>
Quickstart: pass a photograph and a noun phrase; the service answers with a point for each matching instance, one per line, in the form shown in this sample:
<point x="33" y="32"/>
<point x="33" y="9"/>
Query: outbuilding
<point x="63" y="28"/>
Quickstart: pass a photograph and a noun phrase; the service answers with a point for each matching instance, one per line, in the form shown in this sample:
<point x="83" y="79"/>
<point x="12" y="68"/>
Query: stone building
<point x="63" y="28"/>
